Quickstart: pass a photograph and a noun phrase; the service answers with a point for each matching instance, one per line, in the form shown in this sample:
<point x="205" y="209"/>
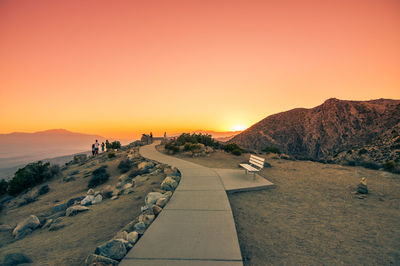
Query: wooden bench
<point x="255" y="165"/>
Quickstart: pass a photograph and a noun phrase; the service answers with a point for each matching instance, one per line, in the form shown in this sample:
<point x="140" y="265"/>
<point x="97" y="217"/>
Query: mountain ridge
<point x="320" y="132"/>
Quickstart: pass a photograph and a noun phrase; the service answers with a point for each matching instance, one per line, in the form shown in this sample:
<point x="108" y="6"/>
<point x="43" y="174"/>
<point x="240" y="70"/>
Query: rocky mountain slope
<point x="328" y="130"/>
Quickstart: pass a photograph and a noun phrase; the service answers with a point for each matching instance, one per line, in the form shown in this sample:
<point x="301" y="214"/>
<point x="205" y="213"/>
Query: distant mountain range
<point x="220" y="136"/>
<point x="18" y="149"/>
<point x="330" y="129"/>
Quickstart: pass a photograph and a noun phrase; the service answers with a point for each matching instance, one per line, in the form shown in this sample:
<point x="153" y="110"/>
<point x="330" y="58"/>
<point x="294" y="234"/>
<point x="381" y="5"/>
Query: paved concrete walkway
<point x="195" y="228"/>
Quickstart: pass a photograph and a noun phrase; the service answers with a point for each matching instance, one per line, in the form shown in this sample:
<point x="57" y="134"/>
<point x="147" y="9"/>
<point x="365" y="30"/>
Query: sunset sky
<point x="119" y="68"/>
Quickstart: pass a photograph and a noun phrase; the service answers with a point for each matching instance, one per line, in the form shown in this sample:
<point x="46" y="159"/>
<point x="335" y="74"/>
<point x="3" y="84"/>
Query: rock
<point x="75" y="209"/>
<point x="127" y="185"/>
<point x="90" y="192"/>
<point x="146" y="218"/>
<point x="87" y="200"/>
<point x="140" y="227"/>
<point x="12" y="259"/>
<point x="26" y="226"/>
<point x="124" y="178"/>
<point x="114" y="249"/>
<point x="114" y="197"/>
<point x="168" y="194"/>
<point x="107" y="191"/>
<point x="171" y="171"/>
<point x="55" y="227"/>
<point x="5" y="228"/>
<point x="97" y="199"/>
<point x="59" y="208"/>
<point x="74" y="201"/>
<point x="47" y="223"/>
<point x="161" y="202"/>
<point x="121" y="235"/>
<point x="156" y="209"/>
<point x="132" y="237"/>
<point x="129" y="191"/>
<point x="145" y="165"/>
<point x="169" y="184"/>
<point x="177" y="178"/>
<point x="362" y="187"/>
<point x="68" y="178"/>
<point x="152" y="197"/>
<point x="93" y="258"/>
<point x="119" y="185"/>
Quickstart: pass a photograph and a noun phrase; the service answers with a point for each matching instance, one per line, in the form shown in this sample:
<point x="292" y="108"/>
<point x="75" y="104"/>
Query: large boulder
<point x="97" y="259"/>
<point x="75" y="209"/>
<point x="114" y="249"/>
<point x="145" y="165"/>
<point x="59" y="208"/>
<point x="12" y="259"/>
<point x="97" y="199"/>
<point x="132" y="237"/>
<point x="171" y="171"/>
<point x="26" y="226"/>
<point x="140" y="227"/>
<point x="169" y="184"/>
<point x="161" y="202"/>
<point x="152" y="197"/>
<point x="87" y="200"/>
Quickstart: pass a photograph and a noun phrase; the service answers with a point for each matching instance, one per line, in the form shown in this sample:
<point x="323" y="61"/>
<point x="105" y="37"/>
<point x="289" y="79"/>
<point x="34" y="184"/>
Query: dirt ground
<point x="83" y="232"/>
<point x="312" y="216"/>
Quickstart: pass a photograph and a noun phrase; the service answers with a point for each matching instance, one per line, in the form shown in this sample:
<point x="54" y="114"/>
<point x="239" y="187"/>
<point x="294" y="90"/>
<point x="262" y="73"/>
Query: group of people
<point x="95" y="147"/>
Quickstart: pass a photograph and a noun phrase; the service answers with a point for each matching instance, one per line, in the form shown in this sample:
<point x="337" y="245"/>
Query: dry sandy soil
<point x="83" y="232"/>
<point x="312" y="216"/>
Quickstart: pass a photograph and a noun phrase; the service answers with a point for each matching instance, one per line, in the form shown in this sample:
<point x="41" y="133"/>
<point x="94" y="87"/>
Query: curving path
<point x="195" y="228"/>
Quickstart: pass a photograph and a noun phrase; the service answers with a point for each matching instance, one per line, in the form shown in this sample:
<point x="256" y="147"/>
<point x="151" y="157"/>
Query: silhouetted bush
<point x="172" y="147"/>
<point x="30" y="176"/>
<point x="272" y="150"/>
<point x="3" y="187"/>
<point x="113" y="145"/>
<point x="388" y="166"/>
<point x="237" y="152"/>
<point x="111" y="155"/>
<point x="370" y="165"/>
<point x="125" y="165"/>
<point x="205" y="139"/>
<point x="99" y="176"/>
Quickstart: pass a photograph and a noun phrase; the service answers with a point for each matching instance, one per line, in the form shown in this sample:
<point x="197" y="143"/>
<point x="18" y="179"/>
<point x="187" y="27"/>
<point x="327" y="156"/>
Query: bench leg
<point x="254" y="176"/>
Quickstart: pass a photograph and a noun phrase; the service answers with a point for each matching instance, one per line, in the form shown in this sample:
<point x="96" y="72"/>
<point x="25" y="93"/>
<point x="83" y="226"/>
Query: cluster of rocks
<point x="112" y="251"/>
<point x="194" y="150"/>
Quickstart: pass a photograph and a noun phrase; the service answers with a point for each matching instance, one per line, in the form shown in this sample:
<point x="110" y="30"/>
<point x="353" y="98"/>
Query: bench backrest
<point x="257" y="161"/>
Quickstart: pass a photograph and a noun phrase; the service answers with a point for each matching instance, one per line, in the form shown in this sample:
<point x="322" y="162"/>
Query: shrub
<point x="125" y="165"/>
<point x="349" y="152"/>
<point x="113" y="145"/>
<point x="231" y="147"/>
<point x="99" y="176"/>
<point x="237" y="152"/>
<point x="111" y="155"/>
<point x="3" y="187"/>
<point x="362" y="151"/>
<point x="272" y="150"/>
<point x="43" y="190"/>
<point x="172" y="147"/>
<point x="30" y="176"/>
<point x="389" y="166"/>
<point x="370" y="165"/>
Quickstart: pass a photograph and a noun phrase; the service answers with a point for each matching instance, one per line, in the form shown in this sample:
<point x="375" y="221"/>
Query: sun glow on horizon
<point x="239" y="128"/>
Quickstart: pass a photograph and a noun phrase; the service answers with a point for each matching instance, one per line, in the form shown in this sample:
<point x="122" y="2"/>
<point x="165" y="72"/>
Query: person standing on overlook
<point x="96" y="147"/>
<point x="102" y="147"/>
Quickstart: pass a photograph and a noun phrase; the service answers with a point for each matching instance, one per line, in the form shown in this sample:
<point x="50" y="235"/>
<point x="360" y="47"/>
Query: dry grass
<point x="83" y="232"/>
<point x="312" y="216"/>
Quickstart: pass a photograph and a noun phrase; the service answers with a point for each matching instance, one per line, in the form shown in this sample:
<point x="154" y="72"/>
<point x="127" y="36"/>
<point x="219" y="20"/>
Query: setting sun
<point x="239" y="128"/>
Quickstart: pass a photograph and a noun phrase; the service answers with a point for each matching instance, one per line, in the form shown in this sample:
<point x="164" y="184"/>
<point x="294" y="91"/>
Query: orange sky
<point x="117" y="68"/>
